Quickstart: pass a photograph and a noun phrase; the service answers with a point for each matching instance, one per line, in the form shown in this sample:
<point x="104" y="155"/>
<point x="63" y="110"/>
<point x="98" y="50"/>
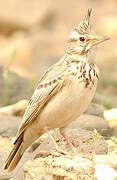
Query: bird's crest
<point x="85" y="27"/>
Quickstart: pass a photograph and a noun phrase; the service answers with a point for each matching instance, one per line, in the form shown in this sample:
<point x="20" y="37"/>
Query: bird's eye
<point x="82" y="39"/>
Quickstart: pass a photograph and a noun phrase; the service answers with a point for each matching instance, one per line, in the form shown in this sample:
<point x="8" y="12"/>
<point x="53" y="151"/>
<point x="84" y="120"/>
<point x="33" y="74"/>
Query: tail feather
<point x="15" y="155"/>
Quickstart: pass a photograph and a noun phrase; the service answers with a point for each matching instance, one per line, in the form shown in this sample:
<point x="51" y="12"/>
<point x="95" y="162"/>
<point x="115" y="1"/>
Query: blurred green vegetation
<point x="32" y="81"/>
<point x="8" y="84"/>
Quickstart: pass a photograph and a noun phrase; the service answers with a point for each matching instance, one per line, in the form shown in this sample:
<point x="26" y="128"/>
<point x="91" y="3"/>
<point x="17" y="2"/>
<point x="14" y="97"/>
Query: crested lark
<point x="63" y="92"/>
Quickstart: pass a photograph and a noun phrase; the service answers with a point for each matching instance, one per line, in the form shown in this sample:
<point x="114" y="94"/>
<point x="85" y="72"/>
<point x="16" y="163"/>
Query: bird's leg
<point x="68" y="141"/>
<point x="52" y="138"/>
<point x="55" y="144"/>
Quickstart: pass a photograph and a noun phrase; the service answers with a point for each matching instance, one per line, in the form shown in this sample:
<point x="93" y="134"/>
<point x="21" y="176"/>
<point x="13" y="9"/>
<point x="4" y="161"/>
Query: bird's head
<point x="83" y="38"/>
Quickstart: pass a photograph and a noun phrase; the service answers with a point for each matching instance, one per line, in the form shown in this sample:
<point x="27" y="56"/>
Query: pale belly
<point x="66" y="106"/>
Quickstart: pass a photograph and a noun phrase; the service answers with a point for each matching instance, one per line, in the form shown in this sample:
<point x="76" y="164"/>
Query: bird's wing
<point x="54" y="71"/>
<point x="41" y="96"/>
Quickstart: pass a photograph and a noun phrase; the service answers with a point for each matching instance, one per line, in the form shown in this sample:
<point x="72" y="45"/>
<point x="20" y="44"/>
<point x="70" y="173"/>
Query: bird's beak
<point x="99" y="39"/>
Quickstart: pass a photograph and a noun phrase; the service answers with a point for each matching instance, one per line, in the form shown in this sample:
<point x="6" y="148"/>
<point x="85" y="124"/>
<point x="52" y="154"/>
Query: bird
<point x="63" y="92"/>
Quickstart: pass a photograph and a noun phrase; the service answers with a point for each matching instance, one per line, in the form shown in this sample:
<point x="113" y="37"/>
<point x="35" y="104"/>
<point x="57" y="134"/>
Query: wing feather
<point x="40" y="97"/>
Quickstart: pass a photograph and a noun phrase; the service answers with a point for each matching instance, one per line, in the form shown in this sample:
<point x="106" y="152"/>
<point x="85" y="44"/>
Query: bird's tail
<point x="15" y="155"/>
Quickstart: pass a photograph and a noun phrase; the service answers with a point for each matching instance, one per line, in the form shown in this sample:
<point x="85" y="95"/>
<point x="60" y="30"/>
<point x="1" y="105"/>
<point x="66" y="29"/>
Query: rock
<point x="81" y="139"/>
<point x="15" y="109"/>
<point x="109" y="159"/>
<point x="108" y="172"/>
<point x="106" y="101"/>
<point x="95" y="109"/>
<point x="49" y="159"/>
<point x="5" y="143"/>
<point x="59" y="167"/>
<point x="91" y="122"/>
<point x="5" y="148"/>
<point x="10" y="125"/>
<point x="13" y="87"/>
<point x="111" y="117"/>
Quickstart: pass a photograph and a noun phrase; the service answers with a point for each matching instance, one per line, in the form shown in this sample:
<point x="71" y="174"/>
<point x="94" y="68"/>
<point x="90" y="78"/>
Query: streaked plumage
<point x="63" y="92"/>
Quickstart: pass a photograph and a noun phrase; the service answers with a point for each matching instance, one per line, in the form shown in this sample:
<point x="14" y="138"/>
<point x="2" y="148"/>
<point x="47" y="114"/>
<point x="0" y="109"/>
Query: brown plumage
<point x="63" y="93"/>
<point x="35" y="105"/>
<point x="15" y="155"/>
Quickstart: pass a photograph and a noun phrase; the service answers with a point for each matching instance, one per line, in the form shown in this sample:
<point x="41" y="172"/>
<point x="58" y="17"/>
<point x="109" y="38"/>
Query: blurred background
<point x="33" y="36"/>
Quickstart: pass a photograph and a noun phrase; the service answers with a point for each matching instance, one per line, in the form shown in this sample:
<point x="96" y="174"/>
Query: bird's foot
<point x="58" y="152"/>
<point x="61" y="151"/>
<point x="73" y="149"/>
